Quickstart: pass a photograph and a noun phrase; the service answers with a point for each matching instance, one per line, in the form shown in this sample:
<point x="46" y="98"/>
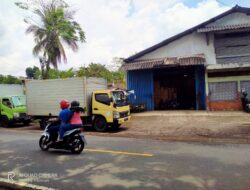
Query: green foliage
<point x="9" y="80"/>
<point x="55" y="74"/>
<point x="92" y="70"/>
<point x="99" y="70"/>
<point x="33" y="73"/>
<point x="52" y="25"/>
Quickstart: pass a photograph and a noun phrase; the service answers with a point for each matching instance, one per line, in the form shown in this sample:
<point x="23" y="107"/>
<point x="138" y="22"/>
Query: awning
<point x="223" y="27"/>
<point x="198" y="59"/>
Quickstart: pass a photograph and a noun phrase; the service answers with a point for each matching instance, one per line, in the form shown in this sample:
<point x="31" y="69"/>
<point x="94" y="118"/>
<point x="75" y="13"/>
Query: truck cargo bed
<point x="43" y="96"/>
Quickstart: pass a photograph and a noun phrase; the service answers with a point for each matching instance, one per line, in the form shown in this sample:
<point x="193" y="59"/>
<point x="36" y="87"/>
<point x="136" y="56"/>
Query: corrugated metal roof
<point x="225" y="27"/>
<point x="198" y="59"/>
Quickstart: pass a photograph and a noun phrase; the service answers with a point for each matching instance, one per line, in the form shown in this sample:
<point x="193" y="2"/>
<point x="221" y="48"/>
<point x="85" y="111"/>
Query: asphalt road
<point x="123" y="163"/>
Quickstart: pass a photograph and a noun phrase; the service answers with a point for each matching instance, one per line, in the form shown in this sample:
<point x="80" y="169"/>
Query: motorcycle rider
<point x="75" y="121"/>
<point x="64" y="116"/>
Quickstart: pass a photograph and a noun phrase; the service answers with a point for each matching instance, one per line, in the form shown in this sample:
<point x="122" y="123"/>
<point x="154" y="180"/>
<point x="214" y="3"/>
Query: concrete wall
<point x="196" y="43"/>
<point x="232" y="19"/>
<point x="225" y="105"/>
<point x="191" y="44"/>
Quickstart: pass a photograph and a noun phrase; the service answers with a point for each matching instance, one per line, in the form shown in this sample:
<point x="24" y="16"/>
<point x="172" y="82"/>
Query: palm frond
<point x="62" y="52"/>
<point x="32" y="28"/>
<point x="71" y="43"/>
<point x="55" y="28"/>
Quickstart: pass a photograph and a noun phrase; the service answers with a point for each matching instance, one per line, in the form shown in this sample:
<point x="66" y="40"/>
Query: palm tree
<point x="53" y="27"/>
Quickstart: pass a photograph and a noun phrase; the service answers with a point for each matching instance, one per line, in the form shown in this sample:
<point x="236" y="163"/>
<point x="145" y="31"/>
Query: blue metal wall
<point x="143" y="83"/>
<point x="200" y="88"/>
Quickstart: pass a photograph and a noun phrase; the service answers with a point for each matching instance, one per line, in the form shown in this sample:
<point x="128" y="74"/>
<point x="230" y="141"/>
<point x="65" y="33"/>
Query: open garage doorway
<point x="174" y="89"/>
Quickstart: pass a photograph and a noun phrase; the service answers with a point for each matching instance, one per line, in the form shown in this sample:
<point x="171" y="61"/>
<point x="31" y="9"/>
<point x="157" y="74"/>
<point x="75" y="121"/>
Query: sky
<point x="114" y="28"/>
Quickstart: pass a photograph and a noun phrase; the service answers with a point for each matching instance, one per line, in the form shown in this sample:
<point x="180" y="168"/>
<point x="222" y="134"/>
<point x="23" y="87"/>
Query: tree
<point x="99" y="70"/>
<point x="94" y="70"/>
<point x="9" y="79"/>
<point x="116" y="76"/>
<point x="29" y="73"/>
<point x="37" y="73"/>
<point x="33" y="73"/>
<point x="53" y="27"/>
<point x="55" y="74"/>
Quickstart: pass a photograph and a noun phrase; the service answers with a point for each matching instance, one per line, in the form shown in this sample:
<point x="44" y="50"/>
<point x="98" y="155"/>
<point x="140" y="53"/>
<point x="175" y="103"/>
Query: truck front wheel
<point x="100" y="124"/>
<point x="4" y="121"/>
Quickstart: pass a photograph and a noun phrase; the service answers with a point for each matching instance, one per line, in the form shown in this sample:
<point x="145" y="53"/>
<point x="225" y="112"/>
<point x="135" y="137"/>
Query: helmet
<point x="64" y="104"/>
<point x="75" y="104"/>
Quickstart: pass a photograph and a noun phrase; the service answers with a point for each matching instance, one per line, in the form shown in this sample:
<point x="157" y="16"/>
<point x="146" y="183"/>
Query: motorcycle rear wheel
<point x="77" y="145"/>
<point x="43" y="143"/>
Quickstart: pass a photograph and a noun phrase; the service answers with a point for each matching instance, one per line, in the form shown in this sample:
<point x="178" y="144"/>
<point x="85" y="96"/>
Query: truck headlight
<point x="116" y="115"/>
<point x="16" y="115"/>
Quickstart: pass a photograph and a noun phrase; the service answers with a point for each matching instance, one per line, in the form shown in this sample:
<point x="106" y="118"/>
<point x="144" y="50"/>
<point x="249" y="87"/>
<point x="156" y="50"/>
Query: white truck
<point x="103" y="107"/>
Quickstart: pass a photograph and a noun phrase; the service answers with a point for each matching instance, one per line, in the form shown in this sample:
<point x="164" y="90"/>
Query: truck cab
<point x="109" y="108"/>
<point x="13" y="110"/>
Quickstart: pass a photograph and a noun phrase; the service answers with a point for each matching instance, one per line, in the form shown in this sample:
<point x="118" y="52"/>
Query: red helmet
<point x="64" y="104"/>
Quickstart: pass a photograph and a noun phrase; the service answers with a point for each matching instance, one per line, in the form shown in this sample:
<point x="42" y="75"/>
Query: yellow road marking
<point x="118" y="152"/>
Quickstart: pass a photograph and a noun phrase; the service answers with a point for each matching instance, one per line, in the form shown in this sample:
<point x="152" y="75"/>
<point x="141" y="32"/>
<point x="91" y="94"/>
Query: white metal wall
<point x="188" y="45"/>
<point x="43" y="96"/>
<point x="196" y="43"/>
<point x="232" y="19"/>
<point x="11" y="89"/>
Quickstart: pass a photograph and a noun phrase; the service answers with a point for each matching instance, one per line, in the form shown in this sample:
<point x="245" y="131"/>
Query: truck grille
<point x="124" y="114"/>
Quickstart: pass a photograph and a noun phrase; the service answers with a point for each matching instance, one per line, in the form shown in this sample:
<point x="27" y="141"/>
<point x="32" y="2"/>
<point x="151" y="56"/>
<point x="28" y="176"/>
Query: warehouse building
<point x="202" y="68"/>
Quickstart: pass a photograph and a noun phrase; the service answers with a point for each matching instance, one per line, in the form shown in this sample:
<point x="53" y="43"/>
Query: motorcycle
<point x="73" y="140"/>
<point x="245" y="101"/>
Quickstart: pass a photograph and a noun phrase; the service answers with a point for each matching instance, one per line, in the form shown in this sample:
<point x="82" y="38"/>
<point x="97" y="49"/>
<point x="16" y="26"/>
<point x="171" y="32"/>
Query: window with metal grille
<point x="222" y="91"/>
<point x="245" y="85"/>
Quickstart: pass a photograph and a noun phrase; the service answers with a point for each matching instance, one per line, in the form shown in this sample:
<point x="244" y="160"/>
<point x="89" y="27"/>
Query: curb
<point x="14" y="185"/>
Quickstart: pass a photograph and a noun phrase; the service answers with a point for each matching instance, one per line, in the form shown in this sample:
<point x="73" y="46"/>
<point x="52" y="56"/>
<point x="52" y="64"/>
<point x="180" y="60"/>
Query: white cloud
<point x="114" y="28"/>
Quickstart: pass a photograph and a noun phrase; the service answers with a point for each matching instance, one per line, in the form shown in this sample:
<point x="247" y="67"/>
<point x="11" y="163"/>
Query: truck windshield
<point x="120" y="99"/>
<point x="16" y="101"/>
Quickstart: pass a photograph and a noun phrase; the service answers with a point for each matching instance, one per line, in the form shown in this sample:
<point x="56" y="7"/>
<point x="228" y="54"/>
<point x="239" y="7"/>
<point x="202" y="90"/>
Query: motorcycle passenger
<point x="75" y="121"/>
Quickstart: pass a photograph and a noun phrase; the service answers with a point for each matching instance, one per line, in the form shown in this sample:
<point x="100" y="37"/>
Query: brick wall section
<point x="224" y="105"/>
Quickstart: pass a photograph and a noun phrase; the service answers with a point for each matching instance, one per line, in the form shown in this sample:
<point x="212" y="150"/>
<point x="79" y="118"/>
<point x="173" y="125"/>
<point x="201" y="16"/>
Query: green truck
<point x="12" y="105"/>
